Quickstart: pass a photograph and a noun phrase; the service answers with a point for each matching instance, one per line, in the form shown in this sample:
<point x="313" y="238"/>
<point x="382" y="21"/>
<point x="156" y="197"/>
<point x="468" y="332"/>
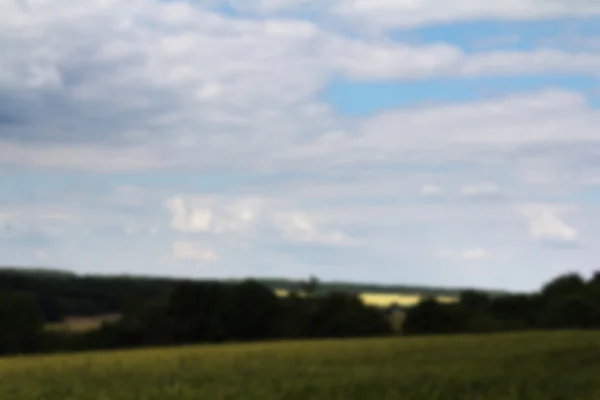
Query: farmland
<point x="495" y="367"/>
<point x="387" y="299"/>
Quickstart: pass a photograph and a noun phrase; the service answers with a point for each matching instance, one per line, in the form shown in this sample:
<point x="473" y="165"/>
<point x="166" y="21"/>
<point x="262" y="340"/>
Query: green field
<point x="544" y="366"/>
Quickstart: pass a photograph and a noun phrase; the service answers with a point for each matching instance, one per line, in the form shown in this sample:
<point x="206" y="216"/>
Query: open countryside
<point x="299" y="200"/>
<point x="185" y="339"/>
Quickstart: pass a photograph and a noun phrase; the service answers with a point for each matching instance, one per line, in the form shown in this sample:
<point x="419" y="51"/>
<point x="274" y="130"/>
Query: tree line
<point x="566" y="302"/>
<point x="62" y="294"/>
<point x="186" y="312"/>
<point x="196" y="312"/>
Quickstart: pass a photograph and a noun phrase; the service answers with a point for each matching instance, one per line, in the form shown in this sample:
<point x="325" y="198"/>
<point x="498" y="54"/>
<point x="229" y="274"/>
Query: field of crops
<point x="540" y="366"/>
<point x="405" y="300"/>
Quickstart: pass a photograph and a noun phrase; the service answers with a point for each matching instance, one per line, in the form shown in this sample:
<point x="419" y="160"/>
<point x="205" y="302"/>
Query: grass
<point x="536" y="366"/>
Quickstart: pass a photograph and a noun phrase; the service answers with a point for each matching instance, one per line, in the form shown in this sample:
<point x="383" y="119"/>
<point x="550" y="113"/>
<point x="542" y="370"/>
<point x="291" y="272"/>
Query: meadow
<point x="534" y="365"/>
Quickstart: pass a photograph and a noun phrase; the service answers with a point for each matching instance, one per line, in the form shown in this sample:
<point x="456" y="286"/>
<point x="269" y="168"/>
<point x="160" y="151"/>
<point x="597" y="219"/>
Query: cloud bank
<point x="194" y="139"/>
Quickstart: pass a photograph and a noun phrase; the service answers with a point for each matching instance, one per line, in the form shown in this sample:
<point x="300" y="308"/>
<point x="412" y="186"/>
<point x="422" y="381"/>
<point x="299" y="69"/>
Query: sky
<point x="432" y="142"/>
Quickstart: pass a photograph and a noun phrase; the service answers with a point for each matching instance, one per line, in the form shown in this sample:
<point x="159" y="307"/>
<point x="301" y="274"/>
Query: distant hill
<point x="64" y="294"/>
<point x="40" y="272"/>
<point x="274" y="283"/>
<point x="288" y="284"/>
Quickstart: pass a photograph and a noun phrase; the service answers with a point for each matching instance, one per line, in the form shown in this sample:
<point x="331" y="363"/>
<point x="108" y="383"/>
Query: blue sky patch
<point x="366" y="98"/>
<point x="501" y="35"/>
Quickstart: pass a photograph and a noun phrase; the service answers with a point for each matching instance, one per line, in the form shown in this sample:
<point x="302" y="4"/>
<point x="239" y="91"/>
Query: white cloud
<point x="431" y="190"/>
<point x="592" y="181"/>
<point x="149" y="86"/>
<point x="475" y="254"/>
<point x="470" y="254"/>
<point x="250" y="216"/>
<point x="443" y="254"/>
<point x="127" y="195"/>
<point x="537" y="61"/>
<point x="130" y="229"/>
<point x="492" y="131"/>
<point x="60" y="216"/>
<point x="156" y="85"/>
<point x="298" y="227"/>
<point x="544" y="169"/>
<point x="187" y="218"/>
<point x="404" y="62"/>
<point x="7" y="216"/>
<point x="42" y="255"/>
<point x="192" y="251"/>
<point x="379" y="14"/>
<point x="372" y="61"/>
<point x="213" y="214"/>
<point x="392" y="237"/>
<point x="545" y="224"/>
<point x="485" y="189"/>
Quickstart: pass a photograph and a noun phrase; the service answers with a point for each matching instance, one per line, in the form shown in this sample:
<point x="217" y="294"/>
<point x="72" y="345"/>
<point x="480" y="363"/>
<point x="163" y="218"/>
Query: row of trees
<point x="63" y="294"/>
<point x="195" y="312"/>
<point x="567" y="302"/>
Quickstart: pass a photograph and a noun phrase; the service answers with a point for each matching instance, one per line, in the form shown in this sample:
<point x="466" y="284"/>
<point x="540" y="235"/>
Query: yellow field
<point x="525" y="366"/>
<point x="387" y="299"/>
<point x="384" y="299"/>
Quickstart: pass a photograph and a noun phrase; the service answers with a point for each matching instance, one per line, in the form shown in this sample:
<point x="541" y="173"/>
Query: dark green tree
<point x="311" y="286"/>
<point x="197" y="312"/>
<point x="475" y="300"/>
<point x="340" y="314"/>
<point x="519" y="311"/>
<point x="254" y="312"/>
<point x="21" y="322"/>
<point x="563" y="285"/>
<point x="568" y="311"/>
<point x="431" y="317"/>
